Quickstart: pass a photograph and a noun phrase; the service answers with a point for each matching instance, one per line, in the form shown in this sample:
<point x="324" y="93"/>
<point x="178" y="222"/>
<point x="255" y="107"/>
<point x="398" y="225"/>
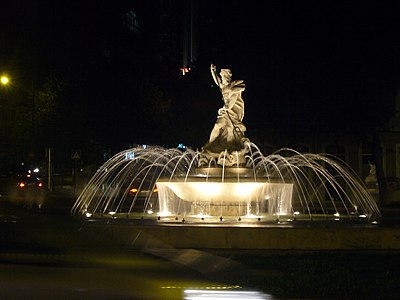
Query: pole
<point x="49" y="169"/>
<point x="74" y="177"/>
<point x="33" y="107"/>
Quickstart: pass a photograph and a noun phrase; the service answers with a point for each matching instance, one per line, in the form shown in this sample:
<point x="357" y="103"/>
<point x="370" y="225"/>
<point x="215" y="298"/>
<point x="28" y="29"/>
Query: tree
<point x="46" y="108"/>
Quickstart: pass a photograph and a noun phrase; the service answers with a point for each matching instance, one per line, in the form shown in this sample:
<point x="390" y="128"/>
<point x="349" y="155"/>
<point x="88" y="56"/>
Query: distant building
<point x="189" y="36"/>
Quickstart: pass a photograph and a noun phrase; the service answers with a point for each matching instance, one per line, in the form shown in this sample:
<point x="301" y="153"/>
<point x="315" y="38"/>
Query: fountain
<point x="167" y="185"/>
<point x="228" y="181"/>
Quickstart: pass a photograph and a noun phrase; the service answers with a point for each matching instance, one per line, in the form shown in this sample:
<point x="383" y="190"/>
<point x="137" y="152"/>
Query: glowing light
<point x="130" y="155"/>
<point x="21" y="184"/>
<point x="4" y="80"/>
<point x="246" y="189"/>
<point x="36" y="170"/>
<point x="296" y="213"/>
<point x="220" y="191"/>
<point x="185" y="70"/>
<point x="150" y="211"/>
<point x="202" y="216"/>
<point x="40" y="184"/>
<point x="336" y="214"/>
<point x="134" y="190"/>
<point x="88" y="214"/>
<point x="211" y="189"/>
<point x="223" y="294"/>
<point x="164" y="214"/>
<point x="251" y="216"/>
<point x="112" y="213"/>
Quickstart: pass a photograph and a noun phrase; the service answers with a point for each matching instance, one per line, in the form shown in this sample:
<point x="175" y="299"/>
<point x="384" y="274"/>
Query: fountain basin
<point x="205" y="196"/>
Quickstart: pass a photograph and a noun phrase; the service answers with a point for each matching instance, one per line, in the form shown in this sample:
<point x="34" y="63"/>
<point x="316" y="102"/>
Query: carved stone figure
<point x="227" y="140"/>
<point x="371" y="181"/>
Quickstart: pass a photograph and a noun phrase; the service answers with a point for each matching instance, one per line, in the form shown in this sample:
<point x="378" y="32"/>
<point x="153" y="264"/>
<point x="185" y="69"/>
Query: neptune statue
<point x="227" y="142"/>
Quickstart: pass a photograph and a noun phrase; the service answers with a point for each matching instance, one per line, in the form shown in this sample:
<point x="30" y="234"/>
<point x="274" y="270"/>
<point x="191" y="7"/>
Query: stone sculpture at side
<point x="227" y="142"/>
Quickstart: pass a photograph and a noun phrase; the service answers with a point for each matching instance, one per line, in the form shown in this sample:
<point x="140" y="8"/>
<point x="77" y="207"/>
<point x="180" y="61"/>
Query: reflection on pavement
<point x="224" y="294"/>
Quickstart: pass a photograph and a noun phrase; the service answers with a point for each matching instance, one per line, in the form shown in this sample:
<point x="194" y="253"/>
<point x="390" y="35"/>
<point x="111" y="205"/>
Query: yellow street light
<point x="4" y="80"/>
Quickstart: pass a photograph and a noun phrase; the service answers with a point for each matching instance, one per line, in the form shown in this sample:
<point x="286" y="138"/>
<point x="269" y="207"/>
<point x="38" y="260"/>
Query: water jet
<point x="167" y="185"/>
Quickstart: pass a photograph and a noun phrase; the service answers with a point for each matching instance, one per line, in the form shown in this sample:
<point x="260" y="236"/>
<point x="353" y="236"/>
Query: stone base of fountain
<point x="319" y="236"/>
<point x="228" y="172"/>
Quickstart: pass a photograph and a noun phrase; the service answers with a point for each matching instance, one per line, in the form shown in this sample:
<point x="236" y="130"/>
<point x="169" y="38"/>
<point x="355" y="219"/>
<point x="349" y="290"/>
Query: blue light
<point x="130" y="155"/>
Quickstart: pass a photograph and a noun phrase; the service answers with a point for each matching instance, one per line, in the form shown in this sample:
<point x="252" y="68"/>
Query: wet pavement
<point x="44" y="254"/>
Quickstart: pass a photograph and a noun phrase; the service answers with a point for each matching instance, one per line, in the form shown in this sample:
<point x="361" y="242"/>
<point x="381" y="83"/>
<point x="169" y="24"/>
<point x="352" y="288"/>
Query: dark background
<point x="313" y="70"/>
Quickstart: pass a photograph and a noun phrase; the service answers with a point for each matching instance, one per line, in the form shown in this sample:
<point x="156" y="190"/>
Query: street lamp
<point x="4" y="80"/>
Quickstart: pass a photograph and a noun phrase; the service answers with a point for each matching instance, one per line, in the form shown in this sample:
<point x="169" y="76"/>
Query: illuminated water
<point x="167" y="185"/>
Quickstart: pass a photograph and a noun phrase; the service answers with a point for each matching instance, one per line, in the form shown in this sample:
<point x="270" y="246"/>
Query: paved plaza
<point x="49" y="254"/>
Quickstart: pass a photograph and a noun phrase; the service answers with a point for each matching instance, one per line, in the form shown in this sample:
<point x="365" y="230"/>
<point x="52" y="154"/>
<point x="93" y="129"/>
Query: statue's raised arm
<point x="215" y="76"/>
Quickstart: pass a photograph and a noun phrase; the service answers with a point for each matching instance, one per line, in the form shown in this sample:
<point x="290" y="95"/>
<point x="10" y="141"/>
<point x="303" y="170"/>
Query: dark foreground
<point x="46" y="254"/>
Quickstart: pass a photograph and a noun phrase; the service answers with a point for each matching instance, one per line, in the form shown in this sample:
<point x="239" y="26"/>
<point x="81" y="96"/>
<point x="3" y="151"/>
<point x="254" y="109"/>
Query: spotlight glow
<point x="4" y="80"/>
<point x="224" y="294"/>
<point x="164" y="214"/>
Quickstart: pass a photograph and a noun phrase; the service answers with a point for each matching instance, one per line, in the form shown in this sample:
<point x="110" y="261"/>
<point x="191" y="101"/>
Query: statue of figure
<point x="371" y="181"/>
<point x="227" y="139"/>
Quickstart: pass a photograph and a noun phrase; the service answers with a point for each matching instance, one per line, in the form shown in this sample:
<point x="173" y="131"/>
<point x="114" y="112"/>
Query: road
<point x="44" y="255"/>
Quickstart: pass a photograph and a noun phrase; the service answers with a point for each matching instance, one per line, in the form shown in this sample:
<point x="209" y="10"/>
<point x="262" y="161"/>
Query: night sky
<point x="314" y="65"/>
<point x="313" y="69"/>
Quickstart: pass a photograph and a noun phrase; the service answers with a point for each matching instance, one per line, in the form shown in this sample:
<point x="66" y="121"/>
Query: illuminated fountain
<point x="167" y="185"/>
<point x="229" y="180"/>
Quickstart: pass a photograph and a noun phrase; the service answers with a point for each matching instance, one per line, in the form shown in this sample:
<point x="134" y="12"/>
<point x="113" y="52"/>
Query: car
<point x="134" y="197"/>
<point x="28" y="190"/>
<point x="145" y="199"/>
